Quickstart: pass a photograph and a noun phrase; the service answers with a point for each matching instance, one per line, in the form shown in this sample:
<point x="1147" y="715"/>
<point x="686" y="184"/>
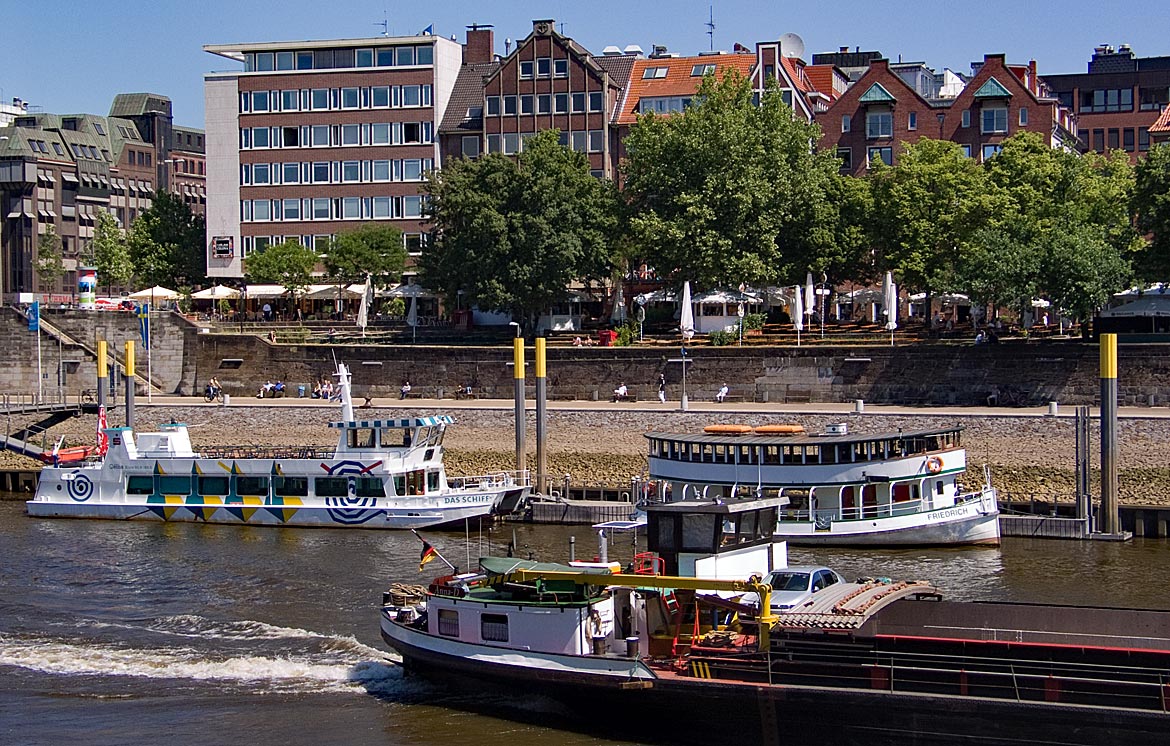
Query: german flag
<point x="428" y="554"/>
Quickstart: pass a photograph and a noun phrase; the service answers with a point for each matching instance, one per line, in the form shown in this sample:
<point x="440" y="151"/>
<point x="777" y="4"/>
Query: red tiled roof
<point x="678" y="80"/>
<point x="821" y="79"/>
<point x="796" y="72"/>
<point x="1163" y="123"/>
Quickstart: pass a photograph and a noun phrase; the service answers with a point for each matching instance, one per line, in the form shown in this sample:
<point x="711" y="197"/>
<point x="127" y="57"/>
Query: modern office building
<point x="308" y="139"/>
<point x="58" y="172"/>
<point x="1118" y="100"/>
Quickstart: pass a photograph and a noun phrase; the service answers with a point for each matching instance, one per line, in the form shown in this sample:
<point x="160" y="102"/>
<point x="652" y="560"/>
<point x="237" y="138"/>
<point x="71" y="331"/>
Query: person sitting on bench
<point x="722" y="394"/>
<point x="621" y="393"/>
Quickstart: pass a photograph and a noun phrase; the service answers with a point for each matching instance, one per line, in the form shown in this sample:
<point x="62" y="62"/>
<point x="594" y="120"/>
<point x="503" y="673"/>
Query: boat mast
<point x="343" y="385"/>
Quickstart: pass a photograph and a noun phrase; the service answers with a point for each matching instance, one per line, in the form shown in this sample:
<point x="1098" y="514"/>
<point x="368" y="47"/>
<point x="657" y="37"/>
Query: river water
<point x="115" y="633"/>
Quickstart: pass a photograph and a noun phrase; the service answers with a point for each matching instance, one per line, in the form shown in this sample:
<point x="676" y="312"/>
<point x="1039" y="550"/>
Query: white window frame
<point x="997" y="113"/>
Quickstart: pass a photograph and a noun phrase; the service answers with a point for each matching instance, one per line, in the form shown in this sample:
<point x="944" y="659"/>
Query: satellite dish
<point x="791" y="45"/>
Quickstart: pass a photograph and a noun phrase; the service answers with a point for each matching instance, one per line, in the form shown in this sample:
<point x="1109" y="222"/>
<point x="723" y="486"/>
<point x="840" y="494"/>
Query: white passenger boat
<point x="883" y="489"/>
<point x="383" y="474"/>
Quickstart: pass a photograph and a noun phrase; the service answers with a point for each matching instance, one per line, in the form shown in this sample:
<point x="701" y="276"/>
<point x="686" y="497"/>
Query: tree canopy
<point x="510" y="235"/>
<point x="1151" y="205"/>
<point x="288" y="264"/>
<point x="167" y="243"/>
<point x="110" y="252"/>
<point x="728" y="191"/>
<point x="372" y="249"/>
<point x="50" y="261"/>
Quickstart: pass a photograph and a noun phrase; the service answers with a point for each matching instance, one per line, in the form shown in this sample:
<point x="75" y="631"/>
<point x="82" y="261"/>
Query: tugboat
<point x="383" y="474"/>
<point x="883" y="489"/>
<point x="688" y="648"/>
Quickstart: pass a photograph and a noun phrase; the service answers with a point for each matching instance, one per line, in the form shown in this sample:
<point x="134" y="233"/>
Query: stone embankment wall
<point x="71" y="336"/>
<point x="182" y="359"/>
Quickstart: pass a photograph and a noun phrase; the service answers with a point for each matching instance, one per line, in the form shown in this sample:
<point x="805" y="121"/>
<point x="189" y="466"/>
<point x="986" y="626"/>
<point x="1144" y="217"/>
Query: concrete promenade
<point x="695" y="407"/>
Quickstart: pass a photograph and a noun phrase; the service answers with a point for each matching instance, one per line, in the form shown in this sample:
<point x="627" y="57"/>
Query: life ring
<point x="728" y="429"/>
<point x="779" y="429"/>
<point x="934" y="464"/>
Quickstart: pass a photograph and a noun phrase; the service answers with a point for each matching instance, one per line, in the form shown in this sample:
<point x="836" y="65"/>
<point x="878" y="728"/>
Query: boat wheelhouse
<point x="890" y="488"/>
<point x="382" y="474"/>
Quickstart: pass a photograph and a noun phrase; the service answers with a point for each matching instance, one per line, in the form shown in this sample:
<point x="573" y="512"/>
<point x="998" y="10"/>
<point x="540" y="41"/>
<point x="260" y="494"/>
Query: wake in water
<point x="239" y="654"/>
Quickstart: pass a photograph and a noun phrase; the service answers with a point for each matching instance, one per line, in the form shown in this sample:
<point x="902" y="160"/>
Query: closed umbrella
<point x="798" y="312"/>
<point x="618" y="314"/>
<point x="890" y="300"/>
<point x="809" y="295"/>
<point x="686" y="322"/>
<point x="363" y="317"/>
<point x="412" y="318"/>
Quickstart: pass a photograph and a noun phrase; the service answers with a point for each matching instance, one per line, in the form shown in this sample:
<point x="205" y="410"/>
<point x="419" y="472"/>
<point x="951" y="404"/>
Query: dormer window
<point x="699" y="71"/>
<point x="654" y="73"/>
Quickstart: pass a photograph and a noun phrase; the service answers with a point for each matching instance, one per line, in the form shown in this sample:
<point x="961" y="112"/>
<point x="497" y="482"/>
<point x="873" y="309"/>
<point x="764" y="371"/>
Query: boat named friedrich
<point x="383" y="474"/>
<point x="880" y="489"/>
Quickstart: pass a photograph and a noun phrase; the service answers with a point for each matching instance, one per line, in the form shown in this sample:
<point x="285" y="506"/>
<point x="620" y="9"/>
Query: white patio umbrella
<point x="618" y="313"/>
<point x="363" y="317"/>
<point x="217" y="292"/>
<point x="798" y="312"/>
<point x="890" y="301"/>
<point x="810" y="298"/>
<point x="412" y="318"/>
<point x="158" y="292"/>
<point x="686" y="322"/>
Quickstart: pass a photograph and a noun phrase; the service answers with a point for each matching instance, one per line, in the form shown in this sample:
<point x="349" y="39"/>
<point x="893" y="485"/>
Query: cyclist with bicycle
<point x="214" y="390"/>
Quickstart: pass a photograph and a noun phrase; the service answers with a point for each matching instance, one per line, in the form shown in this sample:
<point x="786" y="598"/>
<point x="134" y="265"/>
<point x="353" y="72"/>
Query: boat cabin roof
<point x="801" y="439"/>
<point x="411" y="422"/>
<point x="716" y="507"/>
<point x="505" y="565"/>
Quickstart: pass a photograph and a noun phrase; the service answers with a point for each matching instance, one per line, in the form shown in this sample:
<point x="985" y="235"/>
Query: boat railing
<point x="266" y="452"/>
<point x="1134" y="687"/>
<point x="495" y="480"/>
<point x="864" y="512"/>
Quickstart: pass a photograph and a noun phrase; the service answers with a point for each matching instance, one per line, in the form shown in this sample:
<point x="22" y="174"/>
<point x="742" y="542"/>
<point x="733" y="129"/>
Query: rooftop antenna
<point x="562" y="25"/>
<point x="710" y="24"/>
<point x="384" y="23"/>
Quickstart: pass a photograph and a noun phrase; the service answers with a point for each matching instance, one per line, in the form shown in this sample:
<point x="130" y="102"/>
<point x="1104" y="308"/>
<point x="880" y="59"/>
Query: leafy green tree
<point x="372" y="249"/>
<point x="151" y="260"/>
<point x="180" y="236"/>
<point x="1151" y="205"/>
<point x="1080" y="269"/>
<point x="288" y="264"/>
<point x="925" y="208"/>
<point x="110" y="252"/>
<point x="729" y="191"/>
<point x="512" y="234"/>
<point x="50" y="261"/>
<point x="996" y="269"/>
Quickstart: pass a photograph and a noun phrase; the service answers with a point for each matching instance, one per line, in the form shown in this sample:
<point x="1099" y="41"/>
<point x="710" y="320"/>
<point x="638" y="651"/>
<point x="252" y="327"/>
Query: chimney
<point x="480" y="40"/>
<point x="843" y="50"/>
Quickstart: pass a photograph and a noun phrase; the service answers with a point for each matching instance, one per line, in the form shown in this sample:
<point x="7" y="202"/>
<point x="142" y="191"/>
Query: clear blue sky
<point x="71" y="56"/>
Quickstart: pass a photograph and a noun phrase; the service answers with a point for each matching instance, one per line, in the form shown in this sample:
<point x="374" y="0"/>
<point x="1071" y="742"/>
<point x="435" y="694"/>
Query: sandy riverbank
<point x="1029" y="456"/>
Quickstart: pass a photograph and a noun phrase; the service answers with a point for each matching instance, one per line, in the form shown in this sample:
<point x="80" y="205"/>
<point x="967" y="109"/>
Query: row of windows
<point x="1117" y="139"/>
<point x="335" y="99"/>
<point x="332" y="59"/>
<point x="413" y="242"/>
<point x="335" y="172"/>
<point x="546" y="103"/>
<point x="337" y="135"/>
<point x="828" y="453"/>
<point x="331" y="208"/>
<point x="544" y="67"/>
<point x="492" y="627"/>
<point x="878" y="124"/>
<point x="663" y="104"/>
<point x="591" y="141"/>
<point x="885" y="154"/>
<point x="1117" y="99"/>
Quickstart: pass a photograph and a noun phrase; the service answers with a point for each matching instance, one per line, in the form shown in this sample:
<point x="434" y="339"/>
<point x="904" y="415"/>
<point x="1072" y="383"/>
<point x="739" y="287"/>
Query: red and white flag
<point x="103" y="440"/>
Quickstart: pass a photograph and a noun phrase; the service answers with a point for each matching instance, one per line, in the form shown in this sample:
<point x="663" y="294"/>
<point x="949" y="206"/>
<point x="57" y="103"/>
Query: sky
<point x="70" y="56"/>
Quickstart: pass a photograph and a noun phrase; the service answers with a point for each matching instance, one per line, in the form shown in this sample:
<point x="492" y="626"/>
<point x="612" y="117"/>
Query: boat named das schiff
<point x="879" y="489"/>
<point x="383" y="474"/>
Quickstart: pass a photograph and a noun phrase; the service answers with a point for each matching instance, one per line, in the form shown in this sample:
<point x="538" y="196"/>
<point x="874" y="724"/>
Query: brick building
<point x="1117" y="100"/>
<point x="311" y="138"/>
<point x="1160" y="130"/>
<point x="881" y="111"/>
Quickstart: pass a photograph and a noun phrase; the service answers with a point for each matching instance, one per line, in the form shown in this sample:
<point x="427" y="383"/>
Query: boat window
<point x="251" y="485"/>
<point x="393" y="437"/>
<point x="213" y="485"/>
<point x="140" y="485"/>
<point x="790" y="454"/>
<point x="331" y="486"/>
<point x="368" y="487"/>
<point x="771" y="455"/>
<point x="747" y="526"/>
<point x="175" y="485"/>
<point x="938" y="487"/>
<point x="361" y="437"/>
<point x="699" y="532"/>
<point x="449" y="622"/>
<point x="766" y="525"/>
<point x="493" y="627"/>
<point x="290" y="486"/>
<point x="861" y="451"/>
<point x="747" y="454"/>
<point x="400" y="485"/>
<point x="915" y="492"/>
<point x="665" y="533"/>
<point x="829" y="453"/>
<point x="812" y="454"/>
<point x="720" y="453"/>
<point x="708" y="453"/>
<point x="432" y="481"/>
<point x="696" y="451"/>
<point x="901" y="491"/>
<point x="414" y="483"/>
